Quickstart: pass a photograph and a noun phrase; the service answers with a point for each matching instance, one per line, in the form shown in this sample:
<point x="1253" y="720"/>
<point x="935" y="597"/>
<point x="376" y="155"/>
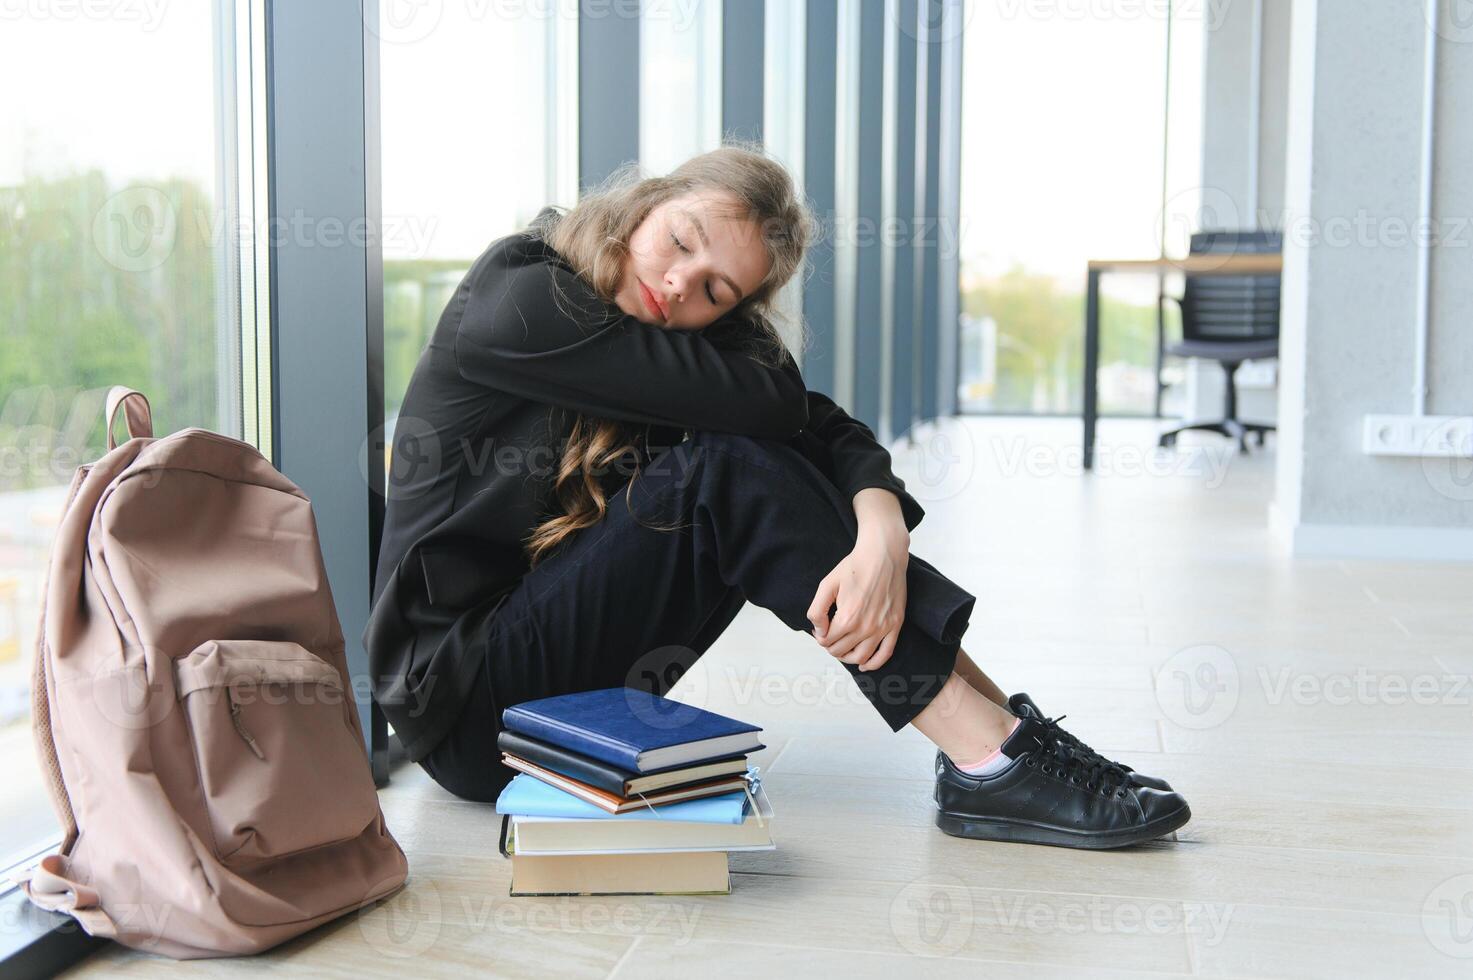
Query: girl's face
<point x="688" y="266"/>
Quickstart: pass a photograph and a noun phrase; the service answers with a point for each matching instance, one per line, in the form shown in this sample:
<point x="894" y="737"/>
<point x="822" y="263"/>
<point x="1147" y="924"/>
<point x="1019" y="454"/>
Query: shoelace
<point x="1052" y="724"/>
<point x="1085" y="768"/>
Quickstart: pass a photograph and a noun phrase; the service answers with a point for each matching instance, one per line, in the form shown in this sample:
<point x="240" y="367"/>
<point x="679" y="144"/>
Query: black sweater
<point x="477" y="441"/>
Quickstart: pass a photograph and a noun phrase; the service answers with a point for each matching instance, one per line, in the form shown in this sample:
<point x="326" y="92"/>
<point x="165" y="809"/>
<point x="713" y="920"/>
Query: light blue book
<point x="526" y="796"/>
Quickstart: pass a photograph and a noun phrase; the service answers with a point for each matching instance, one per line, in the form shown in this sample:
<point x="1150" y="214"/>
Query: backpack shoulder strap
<point x="48" y="886"/>
<point x="136" y="412"/>
<point x="41" y="706"/>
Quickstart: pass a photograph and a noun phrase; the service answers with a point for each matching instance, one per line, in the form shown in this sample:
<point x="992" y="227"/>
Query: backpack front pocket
<point x="280" y="765"/>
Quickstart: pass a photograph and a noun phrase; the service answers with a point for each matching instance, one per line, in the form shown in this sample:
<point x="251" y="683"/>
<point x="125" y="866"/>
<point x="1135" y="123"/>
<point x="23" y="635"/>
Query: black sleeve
<point x="585" y="354"/>
<point x="859" y="460"/>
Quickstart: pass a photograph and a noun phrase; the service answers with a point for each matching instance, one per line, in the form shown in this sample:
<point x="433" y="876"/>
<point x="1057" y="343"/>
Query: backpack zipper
<point x="240" y="725"/>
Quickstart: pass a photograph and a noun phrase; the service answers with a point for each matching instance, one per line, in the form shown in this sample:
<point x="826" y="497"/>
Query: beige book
<point x="686" y="873"/>
<point x="557" y="835"/>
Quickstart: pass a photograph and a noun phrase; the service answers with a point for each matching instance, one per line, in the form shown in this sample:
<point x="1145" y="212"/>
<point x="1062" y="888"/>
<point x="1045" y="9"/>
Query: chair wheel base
<point x="1232" y="428"/>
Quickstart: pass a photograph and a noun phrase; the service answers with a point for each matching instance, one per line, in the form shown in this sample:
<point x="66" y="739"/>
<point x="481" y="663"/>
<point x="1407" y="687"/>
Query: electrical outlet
<point x="1418" y="435"/>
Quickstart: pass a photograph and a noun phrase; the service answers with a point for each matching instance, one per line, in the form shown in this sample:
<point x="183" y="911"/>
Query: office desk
<point x="1238" y="264"/>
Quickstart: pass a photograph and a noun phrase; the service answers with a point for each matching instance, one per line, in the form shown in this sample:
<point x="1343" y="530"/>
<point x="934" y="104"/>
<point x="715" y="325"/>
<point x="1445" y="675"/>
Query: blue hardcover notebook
<point x="526" y="796"/>
<point x="633" y="729"/>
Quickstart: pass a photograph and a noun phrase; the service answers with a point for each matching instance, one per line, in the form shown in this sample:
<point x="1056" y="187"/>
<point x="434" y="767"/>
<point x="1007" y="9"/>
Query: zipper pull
<point x="240" y="725"/>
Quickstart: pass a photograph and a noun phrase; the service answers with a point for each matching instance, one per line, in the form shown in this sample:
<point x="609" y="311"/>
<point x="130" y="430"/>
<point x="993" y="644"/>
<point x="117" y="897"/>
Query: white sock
<point x="991" y="763"/>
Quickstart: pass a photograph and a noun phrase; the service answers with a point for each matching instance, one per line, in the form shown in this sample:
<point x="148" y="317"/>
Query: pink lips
<point x="650" y="301"/>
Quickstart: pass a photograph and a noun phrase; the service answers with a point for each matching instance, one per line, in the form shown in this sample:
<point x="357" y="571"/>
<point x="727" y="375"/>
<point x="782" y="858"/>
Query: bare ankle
<point x="962" y="722"/>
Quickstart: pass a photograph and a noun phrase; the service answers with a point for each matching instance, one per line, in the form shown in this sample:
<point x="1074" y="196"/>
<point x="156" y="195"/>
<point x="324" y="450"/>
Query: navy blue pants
<point x="624" y="604"/>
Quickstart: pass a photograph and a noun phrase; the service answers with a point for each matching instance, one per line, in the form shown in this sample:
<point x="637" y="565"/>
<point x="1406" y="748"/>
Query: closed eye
<point x="682" y="247"/>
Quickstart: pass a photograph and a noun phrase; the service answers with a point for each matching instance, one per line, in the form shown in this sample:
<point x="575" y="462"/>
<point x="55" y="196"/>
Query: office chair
<point x="1229" y="319"/>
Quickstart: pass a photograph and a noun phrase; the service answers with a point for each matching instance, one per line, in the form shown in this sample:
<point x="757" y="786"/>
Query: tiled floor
<point x="1317" y="714"/>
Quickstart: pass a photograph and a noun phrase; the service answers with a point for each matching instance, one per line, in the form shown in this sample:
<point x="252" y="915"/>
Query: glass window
<point x="1062" y="157"/>
<point x="118" y="265"/>
<point x="478" y="134"/>
<point x="846" y="221"/>
<point x="679" y="81"/>
<point x="783" y="69"/>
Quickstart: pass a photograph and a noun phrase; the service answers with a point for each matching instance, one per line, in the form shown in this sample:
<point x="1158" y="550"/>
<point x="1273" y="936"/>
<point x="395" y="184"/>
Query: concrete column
<point x="1350" y="282"/>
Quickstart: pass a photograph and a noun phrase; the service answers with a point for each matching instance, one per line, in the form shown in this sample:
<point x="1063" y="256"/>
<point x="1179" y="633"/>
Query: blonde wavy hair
<point x="593" y="237"/>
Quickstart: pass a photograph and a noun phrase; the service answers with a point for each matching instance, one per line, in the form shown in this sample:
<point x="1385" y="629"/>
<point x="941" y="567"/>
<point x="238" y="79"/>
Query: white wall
<point x="1350" y="297"/>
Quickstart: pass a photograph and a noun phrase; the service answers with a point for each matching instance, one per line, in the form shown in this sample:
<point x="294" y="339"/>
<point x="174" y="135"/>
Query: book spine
<point x="578" y="740"/>
<point x="594" y="772"/>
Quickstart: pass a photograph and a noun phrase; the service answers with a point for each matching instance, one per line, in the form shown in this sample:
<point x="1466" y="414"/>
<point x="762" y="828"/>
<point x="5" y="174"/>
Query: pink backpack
<point x="193" y="708"/>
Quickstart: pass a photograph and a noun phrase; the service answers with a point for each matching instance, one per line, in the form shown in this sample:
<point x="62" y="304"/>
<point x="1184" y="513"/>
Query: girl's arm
<point x="585" y="354"/>
<point x="860" y="462"/>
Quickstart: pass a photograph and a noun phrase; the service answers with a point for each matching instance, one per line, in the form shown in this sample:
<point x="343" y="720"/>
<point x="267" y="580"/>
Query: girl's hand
<point x="868" y="586"/>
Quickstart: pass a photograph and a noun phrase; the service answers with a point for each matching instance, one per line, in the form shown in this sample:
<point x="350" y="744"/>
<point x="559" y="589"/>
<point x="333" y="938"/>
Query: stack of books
<point x="621" y="792"/>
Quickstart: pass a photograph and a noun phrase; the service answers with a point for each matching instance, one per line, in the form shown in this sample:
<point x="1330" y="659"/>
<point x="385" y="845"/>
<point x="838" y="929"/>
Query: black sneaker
<point x="1053" y="794"/>
<point x="1022" y="706"/>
